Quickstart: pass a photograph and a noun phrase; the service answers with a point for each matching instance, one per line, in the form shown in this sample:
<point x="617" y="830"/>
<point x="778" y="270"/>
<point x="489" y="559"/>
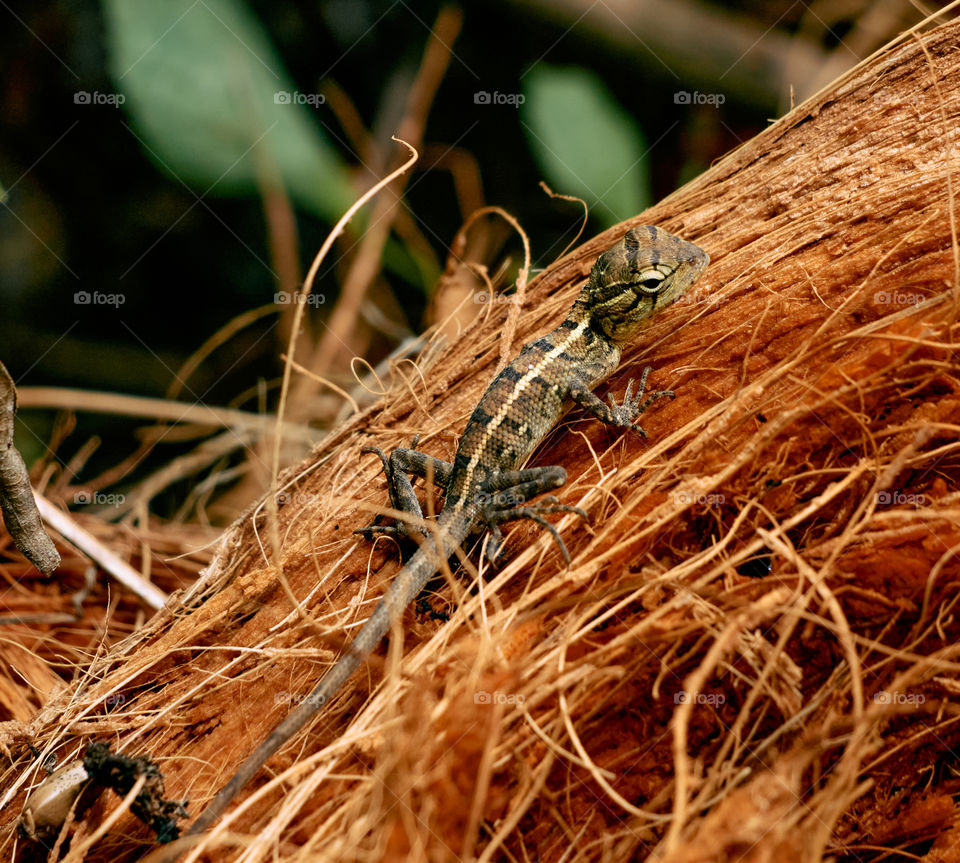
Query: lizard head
<point x="646" y="271"/>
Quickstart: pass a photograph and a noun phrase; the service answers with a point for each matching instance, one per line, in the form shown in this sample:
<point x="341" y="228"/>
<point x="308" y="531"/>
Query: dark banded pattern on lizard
<point x="484" y="486"/>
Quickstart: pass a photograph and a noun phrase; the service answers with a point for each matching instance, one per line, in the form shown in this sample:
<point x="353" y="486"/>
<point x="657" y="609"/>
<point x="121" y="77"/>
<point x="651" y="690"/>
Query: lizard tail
<point x="404" y="588"/>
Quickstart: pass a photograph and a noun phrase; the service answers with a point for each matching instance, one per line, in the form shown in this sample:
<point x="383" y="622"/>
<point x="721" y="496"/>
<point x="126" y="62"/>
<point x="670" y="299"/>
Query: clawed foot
<point x="402" y="496"/>
<point x="535" y="512"/>
<point x="625" y="413"/>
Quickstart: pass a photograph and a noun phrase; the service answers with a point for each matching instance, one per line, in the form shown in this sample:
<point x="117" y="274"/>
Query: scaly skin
<point x="644" y="272"/>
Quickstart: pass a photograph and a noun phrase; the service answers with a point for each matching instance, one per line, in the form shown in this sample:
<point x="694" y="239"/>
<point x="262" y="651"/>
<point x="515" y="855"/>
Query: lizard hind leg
<point x="503" y="494"/>
<point x="396" y="468"/>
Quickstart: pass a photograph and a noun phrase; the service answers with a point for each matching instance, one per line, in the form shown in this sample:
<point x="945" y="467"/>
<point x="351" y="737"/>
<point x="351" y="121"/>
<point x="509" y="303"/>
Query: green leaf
<point x="213" y="105"/>
<point x="585" y="143"/>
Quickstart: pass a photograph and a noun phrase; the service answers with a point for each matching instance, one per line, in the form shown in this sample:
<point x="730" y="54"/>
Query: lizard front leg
<point x="622" y="415"/>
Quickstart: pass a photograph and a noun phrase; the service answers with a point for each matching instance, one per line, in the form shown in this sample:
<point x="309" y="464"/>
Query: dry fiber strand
<point x="753" y="653"/>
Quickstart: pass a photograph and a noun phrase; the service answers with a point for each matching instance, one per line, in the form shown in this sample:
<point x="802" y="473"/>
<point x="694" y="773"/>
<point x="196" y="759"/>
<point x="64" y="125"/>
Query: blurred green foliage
<point x="214" y="104"/>
<point x="215" y="108"/>
<point x="585" y="142"/>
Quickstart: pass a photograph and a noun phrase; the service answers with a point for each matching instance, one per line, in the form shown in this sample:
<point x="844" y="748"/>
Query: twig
<point x="159" y="409"/>
<point x="367" y="261"/>
<point x="16" y="496"/>
<point x="186" y="465"/>
<point x="96" y="550"/>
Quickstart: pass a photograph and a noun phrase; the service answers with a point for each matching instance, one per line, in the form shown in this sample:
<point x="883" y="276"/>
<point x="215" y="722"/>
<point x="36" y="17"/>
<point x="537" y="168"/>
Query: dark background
<point x="86" y="209"/>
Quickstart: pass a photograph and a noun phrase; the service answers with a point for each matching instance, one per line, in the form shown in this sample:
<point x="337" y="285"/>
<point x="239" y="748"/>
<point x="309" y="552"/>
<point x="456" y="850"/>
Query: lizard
<point x="485" y="486"/>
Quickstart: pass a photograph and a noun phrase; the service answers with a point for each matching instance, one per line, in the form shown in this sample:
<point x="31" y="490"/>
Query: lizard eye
<point x="649" y="281"/>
